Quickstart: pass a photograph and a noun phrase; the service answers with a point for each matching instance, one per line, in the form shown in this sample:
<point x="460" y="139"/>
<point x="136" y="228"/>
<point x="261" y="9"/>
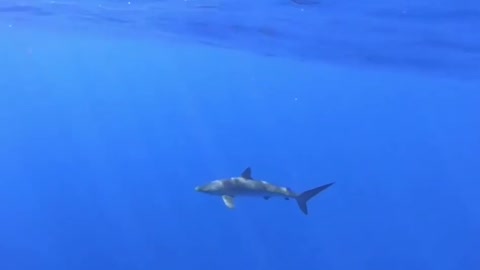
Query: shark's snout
<point x="210" y="188"/>
<point x="203" y="189"/>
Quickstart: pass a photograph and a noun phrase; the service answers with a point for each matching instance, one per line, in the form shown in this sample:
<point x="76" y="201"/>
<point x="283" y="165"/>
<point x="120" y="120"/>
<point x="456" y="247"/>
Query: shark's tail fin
<point x="303" y="198"/>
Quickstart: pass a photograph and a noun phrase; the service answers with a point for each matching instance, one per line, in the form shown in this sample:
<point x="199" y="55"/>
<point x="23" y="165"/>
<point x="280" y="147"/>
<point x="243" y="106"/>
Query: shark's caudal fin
<point x="303" y="198"/>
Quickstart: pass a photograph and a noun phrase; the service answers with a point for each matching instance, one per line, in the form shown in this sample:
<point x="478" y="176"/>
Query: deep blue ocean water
<point x="111" y="112"/>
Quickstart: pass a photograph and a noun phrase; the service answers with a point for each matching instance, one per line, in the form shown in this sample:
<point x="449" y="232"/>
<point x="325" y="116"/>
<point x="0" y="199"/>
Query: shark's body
<point x="245" y="185"/>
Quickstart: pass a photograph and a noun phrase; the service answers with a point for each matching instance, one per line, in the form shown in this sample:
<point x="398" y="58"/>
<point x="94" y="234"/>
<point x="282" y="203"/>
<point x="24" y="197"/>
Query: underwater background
<point x="111" y="112"/>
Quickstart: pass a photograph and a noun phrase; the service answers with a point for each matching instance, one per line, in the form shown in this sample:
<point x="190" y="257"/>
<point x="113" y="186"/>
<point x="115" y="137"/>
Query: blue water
<point x="112" y="112"/>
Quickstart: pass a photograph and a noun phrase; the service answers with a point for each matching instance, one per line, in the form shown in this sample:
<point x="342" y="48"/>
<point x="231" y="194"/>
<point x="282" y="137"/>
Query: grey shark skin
<point x="246" y="186"/>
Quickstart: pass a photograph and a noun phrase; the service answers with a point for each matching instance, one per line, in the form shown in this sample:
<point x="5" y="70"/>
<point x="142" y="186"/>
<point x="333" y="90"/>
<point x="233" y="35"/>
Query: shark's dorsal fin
<point x="228" y="201"/>
<point x="247" y="173"/>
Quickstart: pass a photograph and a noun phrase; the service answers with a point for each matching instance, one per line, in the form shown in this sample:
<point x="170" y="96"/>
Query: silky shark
<point x="244" y="185"/>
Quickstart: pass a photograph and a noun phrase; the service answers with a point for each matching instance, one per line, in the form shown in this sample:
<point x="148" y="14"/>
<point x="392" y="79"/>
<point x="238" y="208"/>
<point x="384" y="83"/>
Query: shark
<point x="246" y="186"/>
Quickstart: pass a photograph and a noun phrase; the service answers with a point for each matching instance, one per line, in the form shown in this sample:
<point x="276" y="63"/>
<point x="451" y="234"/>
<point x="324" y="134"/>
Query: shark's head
<point x="213" y="188"/>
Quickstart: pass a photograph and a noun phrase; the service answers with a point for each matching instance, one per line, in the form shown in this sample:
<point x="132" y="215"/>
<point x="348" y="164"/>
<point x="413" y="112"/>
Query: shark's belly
<point x="251" y="188"/>
<point x="251" y="192"/>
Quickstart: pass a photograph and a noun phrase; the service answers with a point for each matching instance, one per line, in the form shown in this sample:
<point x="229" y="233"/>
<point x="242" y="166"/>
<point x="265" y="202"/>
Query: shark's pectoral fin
<point x="228" y="201"/>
